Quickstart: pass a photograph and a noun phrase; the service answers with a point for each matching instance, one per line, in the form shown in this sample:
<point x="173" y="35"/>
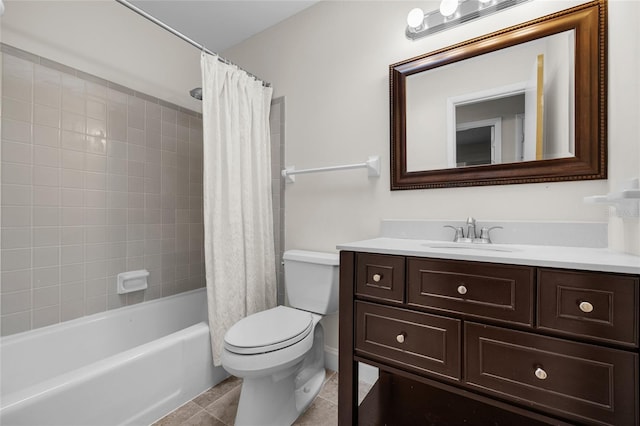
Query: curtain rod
<point x="178" y="34"/>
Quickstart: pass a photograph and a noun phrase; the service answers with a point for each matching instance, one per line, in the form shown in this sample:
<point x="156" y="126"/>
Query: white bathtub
<point x="129" y="366"/>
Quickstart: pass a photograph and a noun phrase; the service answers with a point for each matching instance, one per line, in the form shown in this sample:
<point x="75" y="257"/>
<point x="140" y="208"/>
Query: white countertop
<point x="582" y="258"/>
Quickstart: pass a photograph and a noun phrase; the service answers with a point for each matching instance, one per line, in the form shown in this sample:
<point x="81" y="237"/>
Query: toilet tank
<point x="311" y="280"/>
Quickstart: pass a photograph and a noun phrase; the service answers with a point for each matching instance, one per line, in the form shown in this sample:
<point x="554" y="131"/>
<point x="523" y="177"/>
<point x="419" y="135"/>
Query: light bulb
<point x="448" y="7"/>
<point x="415" y="18"/>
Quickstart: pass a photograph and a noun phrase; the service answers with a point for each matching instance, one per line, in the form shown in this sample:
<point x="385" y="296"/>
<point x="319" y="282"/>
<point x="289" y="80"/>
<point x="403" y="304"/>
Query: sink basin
<point x="468" y="246"/>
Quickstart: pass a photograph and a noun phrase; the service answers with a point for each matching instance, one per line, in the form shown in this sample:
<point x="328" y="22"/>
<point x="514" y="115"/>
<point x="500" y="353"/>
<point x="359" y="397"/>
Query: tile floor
<point x="218" y="405"/>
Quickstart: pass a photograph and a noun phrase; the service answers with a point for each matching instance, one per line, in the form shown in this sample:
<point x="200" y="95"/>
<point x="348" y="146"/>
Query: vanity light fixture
<point x="452" y="13"/>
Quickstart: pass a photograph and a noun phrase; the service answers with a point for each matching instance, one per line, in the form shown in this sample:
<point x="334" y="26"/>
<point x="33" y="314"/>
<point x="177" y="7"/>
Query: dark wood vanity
<point x="481" y="343"/>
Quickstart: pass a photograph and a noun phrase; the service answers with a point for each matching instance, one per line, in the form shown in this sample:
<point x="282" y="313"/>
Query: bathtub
<point x="129" y="366"/>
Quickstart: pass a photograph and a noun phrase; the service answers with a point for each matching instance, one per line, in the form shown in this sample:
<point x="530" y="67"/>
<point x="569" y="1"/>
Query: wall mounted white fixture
<point x="132" y="281"/>
<point x="452" y="13"/>
<point x="372" y="165"/>
<point x="626" y="200"/>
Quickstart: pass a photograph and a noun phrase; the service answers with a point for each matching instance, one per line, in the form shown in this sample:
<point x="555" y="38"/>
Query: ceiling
<point x="220" y="24"/>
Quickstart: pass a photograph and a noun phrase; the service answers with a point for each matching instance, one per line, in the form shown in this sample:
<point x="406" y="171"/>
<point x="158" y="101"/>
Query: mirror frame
<point x="589" y="21"/>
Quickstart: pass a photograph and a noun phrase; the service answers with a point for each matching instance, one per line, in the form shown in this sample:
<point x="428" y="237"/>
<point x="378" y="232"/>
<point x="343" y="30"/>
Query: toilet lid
<point x="268" y="330"/>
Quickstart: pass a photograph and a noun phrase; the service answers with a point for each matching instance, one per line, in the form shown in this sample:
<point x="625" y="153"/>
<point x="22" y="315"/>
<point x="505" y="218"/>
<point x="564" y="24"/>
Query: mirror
<point x="525" y="104"/>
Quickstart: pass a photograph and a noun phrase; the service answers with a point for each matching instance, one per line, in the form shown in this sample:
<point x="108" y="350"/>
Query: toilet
<point x="279" y="353"/>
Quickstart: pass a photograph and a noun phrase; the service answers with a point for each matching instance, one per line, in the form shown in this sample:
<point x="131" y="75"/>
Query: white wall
<point x="108" y="40"/>
<point x="331" y="62"/>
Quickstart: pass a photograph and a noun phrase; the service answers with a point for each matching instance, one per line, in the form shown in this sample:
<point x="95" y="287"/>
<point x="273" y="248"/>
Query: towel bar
<point x="372" y="165"/>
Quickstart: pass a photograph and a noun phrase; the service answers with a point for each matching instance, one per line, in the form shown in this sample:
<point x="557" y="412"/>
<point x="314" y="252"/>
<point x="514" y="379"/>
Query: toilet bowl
<point x="279" y="352"/>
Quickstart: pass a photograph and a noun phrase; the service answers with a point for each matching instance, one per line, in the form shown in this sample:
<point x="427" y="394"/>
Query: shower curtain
<point x="238" y="223"/>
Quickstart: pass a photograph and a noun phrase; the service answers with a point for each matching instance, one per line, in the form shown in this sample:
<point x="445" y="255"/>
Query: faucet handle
<point x="484" y="233"/>
<point x="459" y="232"/>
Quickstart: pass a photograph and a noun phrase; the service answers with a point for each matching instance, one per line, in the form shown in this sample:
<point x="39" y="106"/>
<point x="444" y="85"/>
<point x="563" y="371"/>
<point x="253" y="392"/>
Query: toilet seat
<point x="268" y="331"/>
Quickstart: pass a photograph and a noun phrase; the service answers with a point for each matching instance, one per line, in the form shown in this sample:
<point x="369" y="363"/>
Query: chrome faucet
<point x="472" y="235"/>
<point x="471" y="228"/>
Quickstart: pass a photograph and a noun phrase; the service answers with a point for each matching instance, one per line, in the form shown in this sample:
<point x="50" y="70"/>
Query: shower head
<point x="196" y="93"/>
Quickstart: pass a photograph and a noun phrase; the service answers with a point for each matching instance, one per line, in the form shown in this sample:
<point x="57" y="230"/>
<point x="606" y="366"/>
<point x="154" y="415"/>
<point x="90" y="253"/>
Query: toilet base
<point x="278" y="399"/>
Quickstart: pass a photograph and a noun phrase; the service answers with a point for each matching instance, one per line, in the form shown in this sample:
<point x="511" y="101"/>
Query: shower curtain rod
<point x="185" y="38"/>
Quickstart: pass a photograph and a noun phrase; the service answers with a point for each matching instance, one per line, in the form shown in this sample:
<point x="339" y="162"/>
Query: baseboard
<point x="330" y="358"/>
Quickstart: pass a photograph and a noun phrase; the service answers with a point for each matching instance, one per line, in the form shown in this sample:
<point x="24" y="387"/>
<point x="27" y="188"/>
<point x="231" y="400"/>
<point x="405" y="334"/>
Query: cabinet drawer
<point x="411" y="340"/>
<point x="592" y="304"/>
<point x="584" y="382"/>
<point x="380" y="276"/>
<point x="483" y="290"/>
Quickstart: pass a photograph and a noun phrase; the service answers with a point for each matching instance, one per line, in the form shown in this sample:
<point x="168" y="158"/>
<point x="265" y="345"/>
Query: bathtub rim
<point x="87" y="319"/>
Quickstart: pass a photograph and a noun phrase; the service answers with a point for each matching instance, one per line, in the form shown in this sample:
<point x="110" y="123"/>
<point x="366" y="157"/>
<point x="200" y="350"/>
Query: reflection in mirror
<point x="478" y="142"/>
<point x="527" y="88"/>
<point x="520" y="105"/>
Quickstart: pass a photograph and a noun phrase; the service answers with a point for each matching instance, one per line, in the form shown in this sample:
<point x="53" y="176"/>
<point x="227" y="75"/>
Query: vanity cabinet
<point x="486" y="343"/>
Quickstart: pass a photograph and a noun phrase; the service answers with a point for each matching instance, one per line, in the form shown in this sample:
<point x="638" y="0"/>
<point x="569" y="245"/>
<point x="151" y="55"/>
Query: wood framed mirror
<point x="521" y="105"/>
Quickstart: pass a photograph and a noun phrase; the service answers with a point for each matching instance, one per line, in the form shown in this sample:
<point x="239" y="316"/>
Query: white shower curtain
<point x="238" y="224"/>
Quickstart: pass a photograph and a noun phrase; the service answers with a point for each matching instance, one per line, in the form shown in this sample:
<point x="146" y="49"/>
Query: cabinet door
<point x="410" y="340"/>
<point x="472" y="289"/>
<point x="586" y="383"/>
<point x="591" y="304"/>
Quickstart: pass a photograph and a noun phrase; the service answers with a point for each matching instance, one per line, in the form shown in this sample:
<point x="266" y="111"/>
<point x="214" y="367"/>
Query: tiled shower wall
<point x="96" y="180"/>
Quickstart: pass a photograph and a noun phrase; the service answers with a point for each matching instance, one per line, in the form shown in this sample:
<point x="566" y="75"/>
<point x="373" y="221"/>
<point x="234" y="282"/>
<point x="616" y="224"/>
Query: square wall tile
<point x="15" y="259"/>
<point x="11" y="303"/>
<point x="15" y="152"/>
<point x="46" y="156"/>
<point x="16" y="216"/>
<point x="46" y="316"/>
<point x="46" y="296"/>
<point x="45" y="135"/>
<point x="46" y="115"/>
<point x="46" y="236"/>
<point x="14" y="238"/>
<point x="46" y="176"/>
<point x="15" y="323"/>
<point x="15" y="195"/>
<point x="44" y="277"/>
<point x="13" y="281"/>
<point x="17" y="174"/>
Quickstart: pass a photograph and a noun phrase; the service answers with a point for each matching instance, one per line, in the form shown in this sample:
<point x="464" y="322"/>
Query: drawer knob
<point x="586" y="307"/>
<point x="462" y="289"/>
<point x="540" y="373"/>
<point x="377" y="277"/>
<point x="400" y="338"/>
